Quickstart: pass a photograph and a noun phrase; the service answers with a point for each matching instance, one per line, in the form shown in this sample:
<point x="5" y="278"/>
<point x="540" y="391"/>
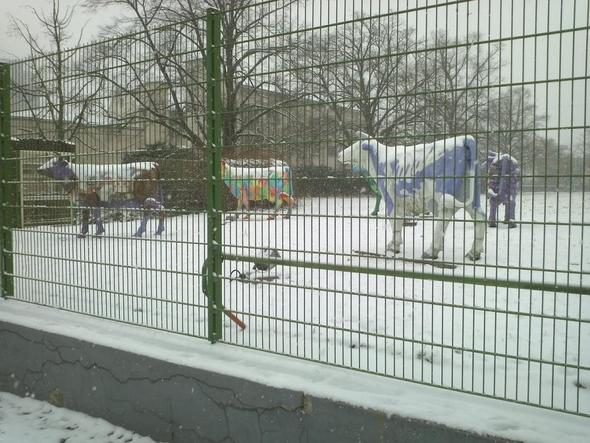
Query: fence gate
<point x="399" y="188"/>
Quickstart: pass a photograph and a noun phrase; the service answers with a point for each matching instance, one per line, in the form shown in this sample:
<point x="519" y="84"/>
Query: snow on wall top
<point x="454" y="409"/>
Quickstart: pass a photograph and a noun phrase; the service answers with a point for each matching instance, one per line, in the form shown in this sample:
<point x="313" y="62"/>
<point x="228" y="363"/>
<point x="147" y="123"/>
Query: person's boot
<point x="511" y="223"/>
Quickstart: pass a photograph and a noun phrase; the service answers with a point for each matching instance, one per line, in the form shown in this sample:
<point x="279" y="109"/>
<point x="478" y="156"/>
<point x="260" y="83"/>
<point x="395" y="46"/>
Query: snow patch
<point x="33" y="421"/>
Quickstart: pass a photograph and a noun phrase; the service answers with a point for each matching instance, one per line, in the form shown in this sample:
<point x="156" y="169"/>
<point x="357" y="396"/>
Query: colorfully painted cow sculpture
<point x="254" y="183"/>
<point x="441" y="177"/>
<point x="503" y="186"/>
<point x="125" y="186"/>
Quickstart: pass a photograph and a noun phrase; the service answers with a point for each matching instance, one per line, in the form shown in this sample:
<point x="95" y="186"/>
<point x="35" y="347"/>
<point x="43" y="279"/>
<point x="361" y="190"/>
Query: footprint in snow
<point x="426" y="356"/>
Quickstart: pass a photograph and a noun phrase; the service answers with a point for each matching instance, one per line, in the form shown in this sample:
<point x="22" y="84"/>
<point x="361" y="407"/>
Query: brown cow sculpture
<point x="126" y="185"/>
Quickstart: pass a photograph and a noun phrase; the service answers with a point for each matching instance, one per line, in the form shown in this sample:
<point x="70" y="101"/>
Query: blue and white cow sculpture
<point x="124" y="186"/>
<point x="441" y="177"/>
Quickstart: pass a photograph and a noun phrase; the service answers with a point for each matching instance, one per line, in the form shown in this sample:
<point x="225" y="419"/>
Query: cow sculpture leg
<point x="493" y="212"/>
<point x="440" y="227"/>
<point x="445" y="207"/>
<point x="375" y="190"/>
<point x="443" y="210"/>
<point x="510" y="213"/>
<point x="150" y="206"/>
<point x="282" y="199"/>
<point x="98" y="221"/>
<point x="479" y="223"/>
<point x="143" y="225"/>
<point x="286" y="199"/>
<point x="277" y="208"/>
<point x="243" y="202"/>
<point x="395" y="245"/>
<point x="85" y="220"/>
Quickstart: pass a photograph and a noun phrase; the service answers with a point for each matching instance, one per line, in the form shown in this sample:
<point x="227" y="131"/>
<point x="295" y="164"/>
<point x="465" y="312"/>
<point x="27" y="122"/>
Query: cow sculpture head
<point x="57" y="168"/>
<point x="358" y="155"/>
<point x="491" y="158"/>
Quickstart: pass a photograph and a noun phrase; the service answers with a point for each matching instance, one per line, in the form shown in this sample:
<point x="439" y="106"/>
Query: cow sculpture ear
<point x="362" y="136"/>
<point x="367" y="146"/>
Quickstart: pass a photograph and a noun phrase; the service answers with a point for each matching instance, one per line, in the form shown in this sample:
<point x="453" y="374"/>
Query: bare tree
<point x="49" y="87"/>
<point x="164" y="64"/>
<point x="367" y="68"/>
<point x="457" y="93"/>
<point x="512" y="122"/>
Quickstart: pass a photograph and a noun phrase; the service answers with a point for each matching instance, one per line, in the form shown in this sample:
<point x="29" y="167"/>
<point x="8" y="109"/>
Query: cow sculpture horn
<point x="361" y="135"/>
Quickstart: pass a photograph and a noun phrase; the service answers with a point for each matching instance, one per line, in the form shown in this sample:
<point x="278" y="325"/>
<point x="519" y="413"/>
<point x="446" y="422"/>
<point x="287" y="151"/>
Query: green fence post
<point x="214" y="183"/>
<point x="9" y="187"/>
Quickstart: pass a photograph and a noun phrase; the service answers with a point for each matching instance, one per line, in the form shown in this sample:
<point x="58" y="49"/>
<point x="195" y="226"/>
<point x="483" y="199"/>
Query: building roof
<point x="38" y="144"/>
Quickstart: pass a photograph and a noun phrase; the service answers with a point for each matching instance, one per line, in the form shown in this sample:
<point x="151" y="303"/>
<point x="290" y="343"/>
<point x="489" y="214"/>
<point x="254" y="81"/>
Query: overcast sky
<point x="12" y="46"/>
<point x="527" y="59"/>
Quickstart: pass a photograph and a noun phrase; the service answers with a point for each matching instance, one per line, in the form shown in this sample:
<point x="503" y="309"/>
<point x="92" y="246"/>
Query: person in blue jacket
<point x="503" y="187"/>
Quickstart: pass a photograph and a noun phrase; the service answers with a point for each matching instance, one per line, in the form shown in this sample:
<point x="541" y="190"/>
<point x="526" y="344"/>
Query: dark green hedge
<point x="319" y="181"/>
<point x="183" y="174"/>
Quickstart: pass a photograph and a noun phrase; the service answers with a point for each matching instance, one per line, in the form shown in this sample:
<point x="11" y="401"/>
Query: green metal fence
<point x="232" y="124"/>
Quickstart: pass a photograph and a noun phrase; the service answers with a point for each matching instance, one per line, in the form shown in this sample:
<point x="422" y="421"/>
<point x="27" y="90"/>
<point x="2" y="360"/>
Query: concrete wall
<point x="176" y="403"/>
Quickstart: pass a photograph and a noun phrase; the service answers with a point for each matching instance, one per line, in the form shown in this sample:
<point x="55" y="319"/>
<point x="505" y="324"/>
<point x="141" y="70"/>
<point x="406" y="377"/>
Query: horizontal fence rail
<point x="395" y="187"/>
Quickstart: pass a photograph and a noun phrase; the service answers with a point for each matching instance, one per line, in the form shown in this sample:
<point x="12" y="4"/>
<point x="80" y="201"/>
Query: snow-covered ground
<point x="26" y="420"/>
<point x="518" y="344"/>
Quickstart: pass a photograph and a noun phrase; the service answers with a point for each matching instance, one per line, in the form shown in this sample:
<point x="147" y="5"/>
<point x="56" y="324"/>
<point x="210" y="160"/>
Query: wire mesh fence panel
<point x="410" y="191"/>
<point x="393" y="186"/>
<point x="106" y="151"/>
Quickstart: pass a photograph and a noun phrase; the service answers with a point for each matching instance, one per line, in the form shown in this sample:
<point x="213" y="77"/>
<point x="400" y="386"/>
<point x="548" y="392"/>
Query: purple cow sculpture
<point x="503" y="186"/>
<point x="441" y="177"/>
<point x="127" y="185"/>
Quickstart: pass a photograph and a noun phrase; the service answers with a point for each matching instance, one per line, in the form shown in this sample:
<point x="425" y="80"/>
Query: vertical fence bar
<point x="5" y="240"/>
<point x="214" y="183"/>
<point x="9" y="187"/>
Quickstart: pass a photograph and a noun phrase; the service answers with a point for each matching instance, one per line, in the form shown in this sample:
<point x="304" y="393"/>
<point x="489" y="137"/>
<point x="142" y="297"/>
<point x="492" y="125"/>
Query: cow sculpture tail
<point x="472" y="197"/>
